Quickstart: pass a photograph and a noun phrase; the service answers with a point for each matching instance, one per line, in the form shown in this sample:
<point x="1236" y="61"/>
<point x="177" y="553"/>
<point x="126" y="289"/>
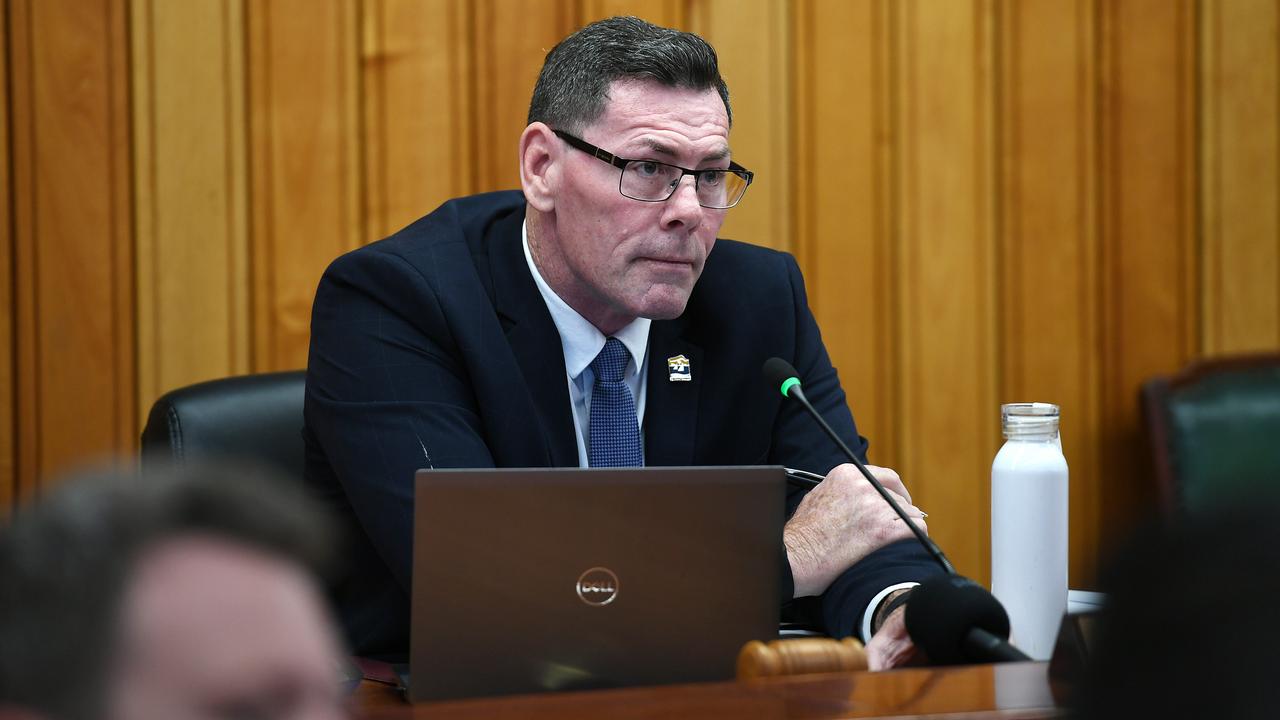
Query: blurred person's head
<point x="176" y="593"/>
<point x="1192" y="621"/>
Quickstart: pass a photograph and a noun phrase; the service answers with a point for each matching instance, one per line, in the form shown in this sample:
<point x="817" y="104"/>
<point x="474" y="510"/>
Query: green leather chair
<point x="1214" y="432"/>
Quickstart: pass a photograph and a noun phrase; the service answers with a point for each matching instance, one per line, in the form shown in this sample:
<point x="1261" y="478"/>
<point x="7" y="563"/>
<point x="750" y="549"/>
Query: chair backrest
<point x="254" y="418"/>
<point x="1214" y="432"/>
<point x="251" y="418"/>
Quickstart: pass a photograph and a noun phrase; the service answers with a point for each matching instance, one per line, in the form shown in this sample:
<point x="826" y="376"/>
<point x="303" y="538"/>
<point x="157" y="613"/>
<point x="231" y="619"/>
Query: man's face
<point x="614" y="258"/>
<point x="214" y="631"/>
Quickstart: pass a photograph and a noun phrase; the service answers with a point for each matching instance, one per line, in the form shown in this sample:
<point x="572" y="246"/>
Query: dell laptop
<point x="529" y="580"/>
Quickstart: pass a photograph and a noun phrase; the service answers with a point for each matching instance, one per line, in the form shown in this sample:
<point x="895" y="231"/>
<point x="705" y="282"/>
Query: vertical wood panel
<point x="510" y="40"/>
<point x="752" y="39"/>
<point x="191" y="194"/>
<point x="668" y="13"/>
<point x="419" y="140"/>
<point x="305" y="163"/>
<point x="843" y="203"/>
<point x="1048" y="239"/>
<point x="119" y="229"/>
<point x="1239" y="187"/>
<point x="946" y="273"/>
<point x="8" y="396"/>
<point x="1149" y="289"/>
<point x="75" y="362"/>
<point x="26" y="410"/>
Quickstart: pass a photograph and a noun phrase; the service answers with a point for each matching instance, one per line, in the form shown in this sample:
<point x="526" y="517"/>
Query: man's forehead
<point x="649" y="111"/>
<point x="196" y="589"/>
<point x="178" y="573"/>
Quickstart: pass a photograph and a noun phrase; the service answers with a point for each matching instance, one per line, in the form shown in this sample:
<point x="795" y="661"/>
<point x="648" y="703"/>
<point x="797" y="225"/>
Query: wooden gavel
<point x="798" y="656"/>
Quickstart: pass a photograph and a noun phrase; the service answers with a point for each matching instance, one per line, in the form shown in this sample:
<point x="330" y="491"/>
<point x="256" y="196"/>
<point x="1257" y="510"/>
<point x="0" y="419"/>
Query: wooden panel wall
<point x="756" y="65"/>
<point x="1148" y="211"/>
<point x="1239" y="161"/>
<point x="845" y="223"/>
<point x="416" y="65"/>
<point x="305" y="172"/>
<point x="8" y="386"/>
<point x="8" y="377"/>
<point x="1049" y="242"/>
<point x="992" y="200"/>
<point x="509" y="40"/>
<point x="944" y="274"/>
<point x="73" y="335"/>
<point x="190" y="193"/>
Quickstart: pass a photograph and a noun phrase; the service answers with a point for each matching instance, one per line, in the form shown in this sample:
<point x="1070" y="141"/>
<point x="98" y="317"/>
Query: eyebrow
<point x="669" y="151"/>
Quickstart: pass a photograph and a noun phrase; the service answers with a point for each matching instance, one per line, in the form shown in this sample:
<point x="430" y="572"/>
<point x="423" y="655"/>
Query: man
<point x="587" y="322"/>
<point x="182" y="594"/>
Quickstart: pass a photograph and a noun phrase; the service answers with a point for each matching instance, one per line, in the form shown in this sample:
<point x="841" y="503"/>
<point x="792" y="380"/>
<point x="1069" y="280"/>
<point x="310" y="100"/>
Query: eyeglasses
<point x="653" y="181"/>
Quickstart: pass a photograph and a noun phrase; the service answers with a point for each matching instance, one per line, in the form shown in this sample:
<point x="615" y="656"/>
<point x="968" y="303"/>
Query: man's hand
<point x="891" y="646"/>
<point x="840" y="522"/>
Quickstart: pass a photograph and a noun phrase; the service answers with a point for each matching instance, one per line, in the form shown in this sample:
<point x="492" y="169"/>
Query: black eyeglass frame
<point x="621" y="163"/>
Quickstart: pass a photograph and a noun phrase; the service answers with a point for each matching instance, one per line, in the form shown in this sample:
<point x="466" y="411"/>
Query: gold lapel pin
<point x="679" y="369"/>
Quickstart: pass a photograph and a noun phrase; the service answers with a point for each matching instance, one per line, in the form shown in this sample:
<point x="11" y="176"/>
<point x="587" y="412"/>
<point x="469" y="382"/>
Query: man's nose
<point x="683" y="207"/>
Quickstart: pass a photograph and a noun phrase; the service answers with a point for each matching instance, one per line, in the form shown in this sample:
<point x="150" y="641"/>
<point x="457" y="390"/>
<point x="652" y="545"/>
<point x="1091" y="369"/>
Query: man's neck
<point x="545" y="253"/>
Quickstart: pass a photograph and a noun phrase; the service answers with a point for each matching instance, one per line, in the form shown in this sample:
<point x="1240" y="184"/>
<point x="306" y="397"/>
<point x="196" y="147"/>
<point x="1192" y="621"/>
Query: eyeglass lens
<point x="655" y="182"/>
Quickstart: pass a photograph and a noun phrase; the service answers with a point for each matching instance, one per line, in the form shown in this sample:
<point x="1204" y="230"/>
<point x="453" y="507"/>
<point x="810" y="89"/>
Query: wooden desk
<point x="1018" y="690"/>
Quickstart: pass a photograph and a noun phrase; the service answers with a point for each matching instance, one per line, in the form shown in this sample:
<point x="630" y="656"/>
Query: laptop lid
<point x="528" y="580"/>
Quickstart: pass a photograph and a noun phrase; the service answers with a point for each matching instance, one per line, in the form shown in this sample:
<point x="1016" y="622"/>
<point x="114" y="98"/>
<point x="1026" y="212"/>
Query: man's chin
<point x="666" y="308"/>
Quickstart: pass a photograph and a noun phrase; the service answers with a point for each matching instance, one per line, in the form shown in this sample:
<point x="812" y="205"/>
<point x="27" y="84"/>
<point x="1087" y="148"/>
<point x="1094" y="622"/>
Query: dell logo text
<point x="597" y="586"/>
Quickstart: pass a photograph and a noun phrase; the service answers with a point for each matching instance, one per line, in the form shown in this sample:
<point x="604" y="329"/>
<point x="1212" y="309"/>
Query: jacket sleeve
<point x="386" y="393"/>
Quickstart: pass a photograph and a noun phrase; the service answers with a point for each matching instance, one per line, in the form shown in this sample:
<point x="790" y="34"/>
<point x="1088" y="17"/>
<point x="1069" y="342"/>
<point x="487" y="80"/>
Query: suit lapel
<point x="671" y="407"/>
<point x="534" y="340"/>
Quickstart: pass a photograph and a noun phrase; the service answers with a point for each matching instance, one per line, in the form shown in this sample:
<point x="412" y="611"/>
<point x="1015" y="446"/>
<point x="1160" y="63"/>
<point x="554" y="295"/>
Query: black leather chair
<point x="258" y="419"/>
<point x="1214" y="432"/>
<point x="255" y="418"/>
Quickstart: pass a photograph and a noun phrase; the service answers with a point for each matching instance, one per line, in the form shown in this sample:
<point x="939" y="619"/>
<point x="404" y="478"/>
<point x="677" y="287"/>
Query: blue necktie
<point x="614" y="430"/>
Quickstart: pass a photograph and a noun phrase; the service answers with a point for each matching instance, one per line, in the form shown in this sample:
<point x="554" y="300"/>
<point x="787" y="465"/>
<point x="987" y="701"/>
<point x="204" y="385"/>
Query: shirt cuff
<point x="869" y="614"/>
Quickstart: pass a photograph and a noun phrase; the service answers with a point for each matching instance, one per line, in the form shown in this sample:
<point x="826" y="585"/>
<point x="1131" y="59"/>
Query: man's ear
<point x="540" y="154"/>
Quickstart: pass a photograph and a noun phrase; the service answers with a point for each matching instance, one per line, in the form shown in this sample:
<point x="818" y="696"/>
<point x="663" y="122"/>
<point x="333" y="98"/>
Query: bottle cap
<point x="1029" y="419"/>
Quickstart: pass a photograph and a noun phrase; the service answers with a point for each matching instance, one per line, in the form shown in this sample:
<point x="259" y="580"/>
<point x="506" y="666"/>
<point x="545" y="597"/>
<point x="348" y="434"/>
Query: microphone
<point x="785" y="378"/>
<point x="956" y="621"/>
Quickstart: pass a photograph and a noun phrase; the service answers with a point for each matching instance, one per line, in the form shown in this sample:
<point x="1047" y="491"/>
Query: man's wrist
<point x="803" y="561"/>
<point x="872" y="611"/>
<point x="892" y="602"/>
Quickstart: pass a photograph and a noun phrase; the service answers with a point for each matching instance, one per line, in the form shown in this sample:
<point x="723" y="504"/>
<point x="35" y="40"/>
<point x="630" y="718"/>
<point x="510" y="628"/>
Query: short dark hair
<point x="574" y="83"/>
<point x="67" y="560"/>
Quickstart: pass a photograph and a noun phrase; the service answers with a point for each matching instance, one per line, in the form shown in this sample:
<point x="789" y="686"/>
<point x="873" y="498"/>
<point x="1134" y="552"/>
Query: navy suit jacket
<point x="434" y="348"/>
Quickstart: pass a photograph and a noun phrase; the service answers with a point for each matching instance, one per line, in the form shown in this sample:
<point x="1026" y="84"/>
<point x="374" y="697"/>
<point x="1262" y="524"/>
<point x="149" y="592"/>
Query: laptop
<point x="531" y="580"/>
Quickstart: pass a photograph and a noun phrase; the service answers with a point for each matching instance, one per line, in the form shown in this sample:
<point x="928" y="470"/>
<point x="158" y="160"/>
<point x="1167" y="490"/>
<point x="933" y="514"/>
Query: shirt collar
<point x="579" y="339"/>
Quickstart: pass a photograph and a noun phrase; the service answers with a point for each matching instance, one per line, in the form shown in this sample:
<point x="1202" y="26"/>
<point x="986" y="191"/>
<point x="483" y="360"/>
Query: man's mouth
<point x="669" y="261"/>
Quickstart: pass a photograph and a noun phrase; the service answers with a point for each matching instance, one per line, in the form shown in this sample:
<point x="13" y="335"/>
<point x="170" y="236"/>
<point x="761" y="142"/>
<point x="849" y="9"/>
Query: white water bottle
<point x="1029" y="526"/>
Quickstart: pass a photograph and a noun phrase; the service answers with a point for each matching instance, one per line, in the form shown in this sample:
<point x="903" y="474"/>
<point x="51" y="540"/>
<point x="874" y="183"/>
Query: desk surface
<point x="1016" y="690"/>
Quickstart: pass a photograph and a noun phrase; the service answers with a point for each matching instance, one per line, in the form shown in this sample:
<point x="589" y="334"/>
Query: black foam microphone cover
<point x="777" y="371"/>
<point x="943" y="609"/>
